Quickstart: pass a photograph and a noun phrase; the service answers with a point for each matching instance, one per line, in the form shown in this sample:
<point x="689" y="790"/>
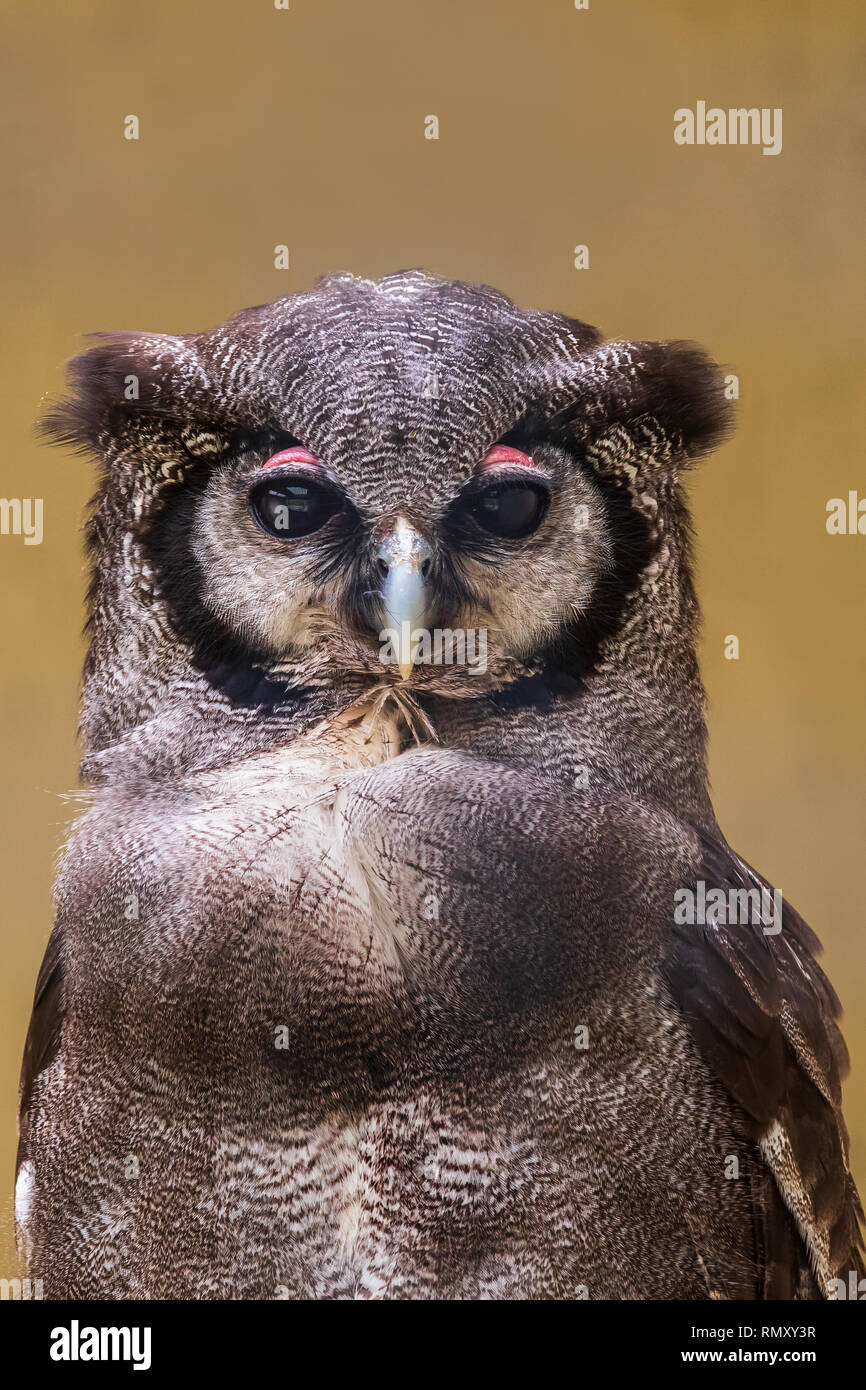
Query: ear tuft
<point x="674" y="385"/>
<point x="682" y="388"/>
<point x="123" y="377"/>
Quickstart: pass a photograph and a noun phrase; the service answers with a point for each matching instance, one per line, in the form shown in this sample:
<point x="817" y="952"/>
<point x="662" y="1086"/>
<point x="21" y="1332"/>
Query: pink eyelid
<point x="289" y="456"/>
<point x="501" y="453"/>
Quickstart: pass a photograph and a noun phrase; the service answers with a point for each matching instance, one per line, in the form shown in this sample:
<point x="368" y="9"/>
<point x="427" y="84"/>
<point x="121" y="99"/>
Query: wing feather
<point x="765" y="1017"/>
<point x="44" y="1033"/>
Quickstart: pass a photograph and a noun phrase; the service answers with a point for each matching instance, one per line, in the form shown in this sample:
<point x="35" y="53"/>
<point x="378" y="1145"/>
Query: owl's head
<point x="320" y="478"/>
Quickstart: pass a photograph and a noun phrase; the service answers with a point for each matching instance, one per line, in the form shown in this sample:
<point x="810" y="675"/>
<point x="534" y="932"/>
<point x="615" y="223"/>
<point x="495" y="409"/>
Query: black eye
<point x="510" y="510"/>
<point x="291" y="507"/>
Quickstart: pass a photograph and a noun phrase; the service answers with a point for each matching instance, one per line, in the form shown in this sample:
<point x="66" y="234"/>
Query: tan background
<point x="556" y="127"/>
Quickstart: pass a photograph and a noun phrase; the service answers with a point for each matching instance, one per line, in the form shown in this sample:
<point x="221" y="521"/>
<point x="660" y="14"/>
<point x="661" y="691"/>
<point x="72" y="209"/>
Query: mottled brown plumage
<point x="370" y="987"/>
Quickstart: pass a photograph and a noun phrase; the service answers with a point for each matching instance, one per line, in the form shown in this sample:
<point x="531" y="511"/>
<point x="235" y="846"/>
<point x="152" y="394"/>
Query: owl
<point x="398" y="953"/>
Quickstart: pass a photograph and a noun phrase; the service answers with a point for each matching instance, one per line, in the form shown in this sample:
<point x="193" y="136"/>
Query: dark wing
<point x="764" y="1015"/>
<point x="43" y="1035"/>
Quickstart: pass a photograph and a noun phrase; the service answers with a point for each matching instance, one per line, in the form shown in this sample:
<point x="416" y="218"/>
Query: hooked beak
<point x="403" y="559"/>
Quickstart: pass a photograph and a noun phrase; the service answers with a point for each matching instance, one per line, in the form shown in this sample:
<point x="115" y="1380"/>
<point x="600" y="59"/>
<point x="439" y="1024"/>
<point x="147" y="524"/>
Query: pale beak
<point x="403" y="559"/>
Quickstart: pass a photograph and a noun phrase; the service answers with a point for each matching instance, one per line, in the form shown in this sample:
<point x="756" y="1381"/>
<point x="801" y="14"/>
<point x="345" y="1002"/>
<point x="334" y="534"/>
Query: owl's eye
<point x="292" y="507"/>
<point x="510" y="510"/>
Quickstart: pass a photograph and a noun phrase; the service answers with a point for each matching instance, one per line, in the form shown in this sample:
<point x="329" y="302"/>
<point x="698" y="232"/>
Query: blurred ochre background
<point x="306" y="127"/>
